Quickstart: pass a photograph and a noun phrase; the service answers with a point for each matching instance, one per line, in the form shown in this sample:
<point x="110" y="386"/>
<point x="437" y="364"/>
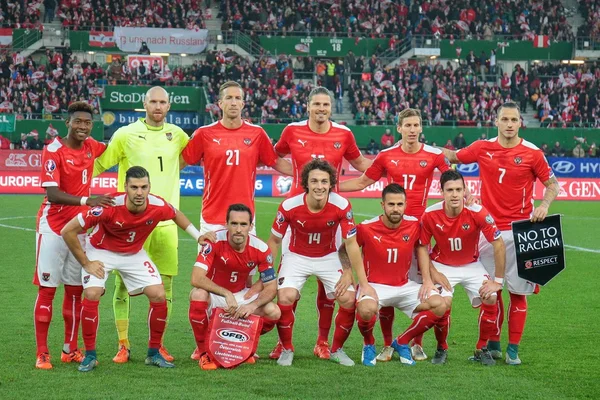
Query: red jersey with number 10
<point x="507" y="177"/>
<point x="118" y="230"/>
<point x="457" y="238"/>
<point x="305" y="145"/>
<point x="71" y="171"/>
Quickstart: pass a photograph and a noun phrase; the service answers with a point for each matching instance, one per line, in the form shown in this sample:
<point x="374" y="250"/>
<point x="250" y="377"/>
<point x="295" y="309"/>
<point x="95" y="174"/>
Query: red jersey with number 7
<point x="71" y="171"/>
<point x="507" y="177"/>
<point x="118" y="230"/>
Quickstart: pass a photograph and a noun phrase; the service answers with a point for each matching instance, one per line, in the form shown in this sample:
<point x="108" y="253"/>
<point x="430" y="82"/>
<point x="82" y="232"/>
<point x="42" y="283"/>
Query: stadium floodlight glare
<point x="219" y="37"/>
<point x="161" y="54"/>
<point x="139" y="109"/>
<point x="91" y="52"/>
<point x="432" y="57"/>
<point x="183" y="55"/>
<point x="586" y="44"/>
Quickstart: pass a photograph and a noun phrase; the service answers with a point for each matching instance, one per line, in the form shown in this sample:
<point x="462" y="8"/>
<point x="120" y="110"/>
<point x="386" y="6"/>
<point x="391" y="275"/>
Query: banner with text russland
<point x="161" y="40"/>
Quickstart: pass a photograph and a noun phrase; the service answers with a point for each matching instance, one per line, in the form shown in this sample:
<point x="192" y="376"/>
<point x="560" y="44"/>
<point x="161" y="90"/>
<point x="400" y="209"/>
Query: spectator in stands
<point x="339" y="97"/>
<point x="557" y="150"/>
<point x="144" y="49"/>
<point x="545" y="149"/>
<point x="387" y="139"/>
<point x="49" y="8"/>
<point x="459" y="141"/>
<point x="483" y="136"/>
<point x="373" y="147"/>
<point x="593" y="150"/>
<point x="22" y="144"/>
<point x="578" y="151"/>
<point x="35" y="143"/>
<point x="449" y="145"/>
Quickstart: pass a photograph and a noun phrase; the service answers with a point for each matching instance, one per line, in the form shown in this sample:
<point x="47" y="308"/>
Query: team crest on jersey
<point x="86" y="279"/>
<point x="466" y="227"/>
<point x="45" y="276"/>
<point x="280" y="280"/>
<point x="489" y="219"/>
<point x="330" y="223"/>
<point x="247" y="141"/>
<point x="349" y="215"/>
<point x="50" y="166"/>
<point x="270" y="259"/>
<point x="89" y="154"/>
<point x="423" y="163"/>
<point x="96" y="211"/>
<point x="337" y="145"/>
<point x="251" y="264"/>
<point x="169" y="136"/>
<point x="150" y="222"/>
<point x="518" y="160"/>
<point x="406" y="238"/>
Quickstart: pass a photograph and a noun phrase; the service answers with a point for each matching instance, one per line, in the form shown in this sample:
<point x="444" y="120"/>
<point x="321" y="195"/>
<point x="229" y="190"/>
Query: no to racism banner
<point x="161" y="40"/>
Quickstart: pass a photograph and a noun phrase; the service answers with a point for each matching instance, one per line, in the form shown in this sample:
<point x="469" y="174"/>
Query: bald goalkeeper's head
<point x="157" y="105"/>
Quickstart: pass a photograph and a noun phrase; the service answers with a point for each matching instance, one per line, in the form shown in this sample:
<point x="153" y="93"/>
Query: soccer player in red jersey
<point x="220" y="279"/>
<point x="388" y="243"/>
<point x="230" y="149"/>
<point x="116" y="243"/>
<point x="509" y="167"/>
<point x="456" y="229"/>
<point x="410" y="164"/>
<point x="313" y="218"/>
<point x="318" y="137"/>
<point x="67" y="166"/>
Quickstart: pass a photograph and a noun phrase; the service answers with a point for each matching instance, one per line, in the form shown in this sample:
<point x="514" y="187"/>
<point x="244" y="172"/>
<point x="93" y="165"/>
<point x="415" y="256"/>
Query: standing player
<point x="219" y="281"/>
<point x="155" y="145"/>
<point x="67" y="177"/>
<point x="411" y="164"/>
<point x="116" y="244"/>
<point x="313" y="218"/>
<point x="388" y="244"/>
<point x="456" y="229"/>
<point x="318" y="137"/>
<point x="509" y="167"/>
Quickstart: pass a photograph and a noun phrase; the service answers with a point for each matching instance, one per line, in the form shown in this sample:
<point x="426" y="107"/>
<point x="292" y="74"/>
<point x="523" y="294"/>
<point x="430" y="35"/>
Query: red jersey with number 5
<point x="413" y="171"/>
<point x="387" y="253"/>
<point x="230" y="269"/>
<point x="457" y="238"/>
<point x="305" y="145"/>
<point x="71" y="171"/>
<point x="507" y="177"/>
<point x="118" y="230"/>
<point x="313" y="234"/>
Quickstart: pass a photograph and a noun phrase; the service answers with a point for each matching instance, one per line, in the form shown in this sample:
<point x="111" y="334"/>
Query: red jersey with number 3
<point x="118" y="230"/>
<point x="413" y="171"/>
<point x="313" y="234"/>
<point x="305" y="145"/>
<point x="457" y="238"/>
<point x="230" y="157"/>
<point x="230" y="269"/>
<point x="507" y="177"/>
<point x="387" y="252"/>
<point x="71" y="171"/>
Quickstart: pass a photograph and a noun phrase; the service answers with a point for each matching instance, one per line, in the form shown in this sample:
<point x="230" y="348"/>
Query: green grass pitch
<point x="559" y="349"/>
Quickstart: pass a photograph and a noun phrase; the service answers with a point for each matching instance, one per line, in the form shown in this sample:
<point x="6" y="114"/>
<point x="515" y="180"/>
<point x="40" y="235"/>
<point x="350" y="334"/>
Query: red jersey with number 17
<point x="507" y="177"/>
<point x="230" y="158"/>
<point x="413" y="171"/>
<point x="457" y="238"/>
<point x="118" y="230"/>
<point x="387" y="253"/>
<point x="71" y="171"/>
<point x="313" y="234"/>
<point x="305" y="145"/>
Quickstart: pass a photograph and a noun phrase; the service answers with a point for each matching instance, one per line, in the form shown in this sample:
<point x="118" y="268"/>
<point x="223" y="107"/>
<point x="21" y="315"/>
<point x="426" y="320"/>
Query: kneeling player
<point x="313" y="218"/>
<point x="388" y="243"/>
<point x="116" y="244"/>
<point x="456" y="229"/>
<point x="219" y="281"/>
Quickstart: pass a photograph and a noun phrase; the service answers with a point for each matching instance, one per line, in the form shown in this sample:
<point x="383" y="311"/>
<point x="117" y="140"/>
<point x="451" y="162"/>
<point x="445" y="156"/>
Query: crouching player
<point x="388" y="243"/>
<point x="116" y="243"/>
<point x="225" y="261"/>
<point x="456" y="229"/>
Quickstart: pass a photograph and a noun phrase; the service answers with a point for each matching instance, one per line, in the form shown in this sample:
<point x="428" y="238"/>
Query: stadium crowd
<point x="590" y="11"/>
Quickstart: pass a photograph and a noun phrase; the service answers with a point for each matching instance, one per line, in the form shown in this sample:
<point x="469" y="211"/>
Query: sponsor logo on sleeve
<point x="349" y="215"/>
<point x="96" y="211"/>
<point x="497" y="234"/>
<point x="50" y="166"/>
<point x="280" y="219"/>
<point x="352" y="232"/>
<point x="206" y="250"/>
<point x="270" y="259"/>
<point x="489" y="219"/>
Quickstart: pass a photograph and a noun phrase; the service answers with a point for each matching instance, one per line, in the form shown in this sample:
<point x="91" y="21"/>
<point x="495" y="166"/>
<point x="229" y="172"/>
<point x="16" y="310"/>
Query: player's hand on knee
<point x="244" y="311"/>
<point x="426" y="288"/>
<point x="440" y="279"/>
<point x="343" y="283"/>
<point x="232" y="305"/>
<point x="368" y="291"/>
<point x="95" y="268"/>
<point x="207" y="237"/>
<point x="104" y="201"/>
<point x="488" y="288"/>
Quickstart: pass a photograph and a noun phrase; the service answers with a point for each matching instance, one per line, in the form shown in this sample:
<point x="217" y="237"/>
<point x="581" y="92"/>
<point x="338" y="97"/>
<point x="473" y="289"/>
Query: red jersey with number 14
<point x="71" y="171"/>
<point x="413" y="171"/>
<point x="230" y="269"/>
<point x="118" y="230"/>
<point x="313" y="234"/>
<point x="507" y="177"/>
<point x="457" y="238"/>
<point x="305" y="145"/>
<point x="387" y="253"/>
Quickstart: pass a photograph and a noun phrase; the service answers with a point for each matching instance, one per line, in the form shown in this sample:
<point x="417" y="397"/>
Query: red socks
<point x="285" y="326"/>
<point x="199" y="321"/>
<point x="42" y="315"/>
<point x="442" y="327"/>
<point x="344" y="321"/>
<point x="71" y="313"/>
<point x="500" y="317"/>
<point x="386" y="320"/>
<point x="517" y="315"/>
<point x="89" y="323"/>
<point x="366" y="329"/>
<point x="422" y="322"/>
<point x="157" y="322"/>
<point x="325" y="308"/>
<point x="487" y="324"/>
<point x="268" y="325"/>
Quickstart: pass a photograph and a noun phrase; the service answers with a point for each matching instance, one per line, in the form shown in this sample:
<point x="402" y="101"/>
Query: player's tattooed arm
<point x="541" y="211"/>
<point x="274" y="244"/>
<point x="361" y="163"/>
<point x="450" y="155"/>
<point x="353" y="185"/>
<point x="344" y="259"/>
<point x="283" y="166"/>
<point x="57" y="196"/>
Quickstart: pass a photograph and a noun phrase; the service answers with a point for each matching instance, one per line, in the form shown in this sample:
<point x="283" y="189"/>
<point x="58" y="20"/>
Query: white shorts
<point x="405" y="297"/>
<point x="219" y="301"/>
<point x="206" y="227"/>
<point x="285" y="242"/>
<point x="414" y="273"/>
<point x="470" y="277"/>
<point x="513" y="283"/>
<point x="136" y="270"/>
<point x="296" y="269"/>
<point x="55" y="264"/>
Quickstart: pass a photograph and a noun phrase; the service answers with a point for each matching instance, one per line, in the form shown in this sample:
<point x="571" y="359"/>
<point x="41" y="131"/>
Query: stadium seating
<point x="590" y="10"/>
<point x="16" y="14"/>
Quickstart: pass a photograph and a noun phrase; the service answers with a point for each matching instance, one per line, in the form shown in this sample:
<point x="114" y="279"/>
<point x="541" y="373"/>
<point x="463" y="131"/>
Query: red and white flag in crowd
<point x="37" y="75"/>
<point x="96" y="91"/>
<point x="51" y="131"/>
<point x="57" y="73"/>
<point x="6" y="106"/>
<point x="52" y="85"/>
<point x="33" y="96"/>
<point x="18" y="58"/>
<point x="441" y="94"/>
<point x="5" y="37"/>
<point x="541" y="41"/>
<point x="102" y="39"/>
